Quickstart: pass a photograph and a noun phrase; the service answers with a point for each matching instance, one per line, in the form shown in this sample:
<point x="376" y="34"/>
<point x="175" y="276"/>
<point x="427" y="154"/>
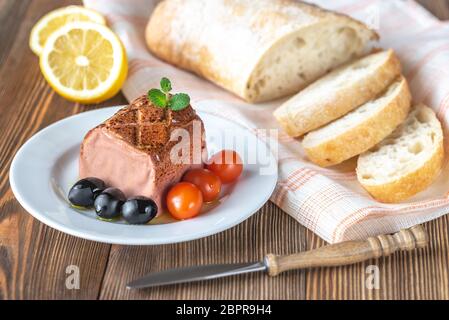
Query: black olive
<point x="139" y="210"/>
<point x="84" y="192"/>
<point x="108" y="204"/>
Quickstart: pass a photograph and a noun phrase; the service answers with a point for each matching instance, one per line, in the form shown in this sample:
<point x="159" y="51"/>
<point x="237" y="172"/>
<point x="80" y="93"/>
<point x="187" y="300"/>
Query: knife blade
<point x="338" y="254"/>
<point x="195" y="273"/>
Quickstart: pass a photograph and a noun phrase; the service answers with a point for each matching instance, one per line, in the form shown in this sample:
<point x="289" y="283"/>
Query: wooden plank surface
<point x="34" y="258"/>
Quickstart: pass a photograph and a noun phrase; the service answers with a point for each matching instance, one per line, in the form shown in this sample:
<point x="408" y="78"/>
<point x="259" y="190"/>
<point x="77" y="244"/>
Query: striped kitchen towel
<point x="329" y="202"/>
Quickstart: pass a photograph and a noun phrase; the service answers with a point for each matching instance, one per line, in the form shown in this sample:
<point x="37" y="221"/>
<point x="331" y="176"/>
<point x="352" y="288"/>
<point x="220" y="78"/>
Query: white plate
<point x="46" y="166"/>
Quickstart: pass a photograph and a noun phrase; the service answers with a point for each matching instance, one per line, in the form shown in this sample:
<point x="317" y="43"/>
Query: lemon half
<point x="84" y="62"/>
<point x="56" y="19"/>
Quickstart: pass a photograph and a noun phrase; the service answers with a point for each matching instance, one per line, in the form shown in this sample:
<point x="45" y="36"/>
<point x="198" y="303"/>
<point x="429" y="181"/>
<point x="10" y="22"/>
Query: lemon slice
<point x="56" y="19"/>
<point x="84" y="62"/>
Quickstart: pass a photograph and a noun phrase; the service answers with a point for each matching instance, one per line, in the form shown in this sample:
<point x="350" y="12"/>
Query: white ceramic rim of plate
<point x="113" y="239"/>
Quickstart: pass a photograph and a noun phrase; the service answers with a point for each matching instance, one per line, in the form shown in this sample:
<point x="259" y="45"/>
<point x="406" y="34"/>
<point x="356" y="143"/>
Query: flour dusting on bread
<point x="259" y="50"/>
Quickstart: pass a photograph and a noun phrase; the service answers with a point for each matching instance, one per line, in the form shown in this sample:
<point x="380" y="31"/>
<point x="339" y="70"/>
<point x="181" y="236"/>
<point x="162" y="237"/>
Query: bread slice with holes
<point x="259" y="50"/>
<point x="338" y="93"/>
<point x="407" y="161"/>
<point x="361" y="129"/>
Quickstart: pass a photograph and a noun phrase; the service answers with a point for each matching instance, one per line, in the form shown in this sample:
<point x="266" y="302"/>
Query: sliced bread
<point x="339" y="92"/>
<point x="407" y="161"/>
<point x="361" y="129"/>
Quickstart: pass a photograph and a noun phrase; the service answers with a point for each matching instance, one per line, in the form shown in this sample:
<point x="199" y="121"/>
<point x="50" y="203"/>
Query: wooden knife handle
<point x="349" y="252"/>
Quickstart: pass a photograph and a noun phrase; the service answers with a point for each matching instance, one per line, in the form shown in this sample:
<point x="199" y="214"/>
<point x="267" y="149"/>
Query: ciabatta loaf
<point x="361" y="129"/>
<point x="339" y="92"/>
<point x="407" y="161"/>
<point x="259" y="50"/>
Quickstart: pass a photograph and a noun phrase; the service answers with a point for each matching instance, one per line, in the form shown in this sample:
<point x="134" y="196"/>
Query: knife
<point x="338" y="254"/>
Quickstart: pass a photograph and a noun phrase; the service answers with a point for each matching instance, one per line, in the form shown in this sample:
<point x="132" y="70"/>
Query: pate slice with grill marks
<point x="132" y="150"/>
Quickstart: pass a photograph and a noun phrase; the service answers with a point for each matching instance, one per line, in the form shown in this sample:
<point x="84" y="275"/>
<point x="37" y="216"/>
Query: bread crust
<point x="315" y="113"/>
<point x="365" y="135"/>
<point x="180" y="32"/>
<point x="410" y="184"/>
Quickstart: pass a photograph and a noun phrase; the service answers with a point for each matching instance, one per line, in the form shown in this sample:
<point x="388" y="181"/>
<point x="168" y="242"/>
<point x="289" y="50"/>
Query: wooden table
<point x="34" y="257"/>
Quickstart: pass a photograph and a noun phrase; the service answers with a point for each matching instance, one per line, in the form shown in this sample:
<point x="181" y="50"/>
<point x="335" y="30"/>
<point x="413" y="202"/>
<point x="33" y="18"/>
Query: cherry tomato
<point x="227" y="165"/>
<point x="207" y="181"/>
<point x="184" y="200"/>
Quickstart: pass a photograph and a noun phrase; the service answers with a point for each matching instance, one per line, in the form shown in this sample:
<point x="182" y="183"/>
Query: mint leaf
<point x="179" y="101"/>
<point x="165" y="85"/>
<point x="158" y="98"/>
